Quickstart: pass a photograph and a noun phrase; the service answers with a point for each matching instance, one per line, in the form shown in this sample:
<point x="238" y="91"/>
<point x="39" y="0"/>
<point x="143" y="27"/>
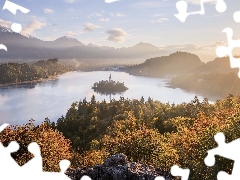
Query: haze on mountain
<point x="25" y="48"/>
<point x="180" y="63"/>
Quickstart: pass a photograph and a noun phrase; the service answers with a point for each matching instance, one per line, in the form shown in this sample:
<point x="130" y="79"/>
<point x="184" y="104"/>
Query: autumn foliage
<point x="54" y="146"/>
<point x="159" y="134"/>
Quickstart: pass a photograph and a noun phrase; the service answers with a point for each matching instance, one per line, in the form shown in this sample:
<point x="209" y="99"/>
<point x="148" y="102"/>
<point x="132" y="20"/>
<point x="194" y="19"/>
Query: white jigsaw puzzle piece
<point x="64" y="164"/>
<point x="236" y="16"/>
<point x="7" y="164"/>
<point x="159" y="178"/>
<point x="182" y="7"/>
<point x="33" y="169"/>
<point x="3" y="126"/>
<point x="2" y="46"/>
<point x="17" y="28"/>
<point x="86" y="178"/>
<point x="177" y="171"/>
<point x="229" y="151"/>
<point x="12" y="7"/>
<point x="222" y="51"/>
<point x="35" y="164"/>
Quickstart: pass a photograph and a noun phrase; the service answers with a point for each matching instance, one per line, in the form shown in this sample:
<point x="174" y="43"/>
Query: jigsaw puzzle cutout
<point x="177" y="171"/>
<point x="182" y="7"/>
<point x="222" y="51"/>
<point x="12" y="7"/>
<point x="236" y="16"/>
<point x="2" y="46"/>
<point x="159" y="178"/>
<point x="229" y="151"/>
<point x="9" y="169"/>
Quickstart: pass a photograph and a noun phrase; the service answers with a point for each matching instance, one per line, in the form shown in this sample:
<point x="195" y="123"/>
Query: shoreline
<point x="30" y="82"/>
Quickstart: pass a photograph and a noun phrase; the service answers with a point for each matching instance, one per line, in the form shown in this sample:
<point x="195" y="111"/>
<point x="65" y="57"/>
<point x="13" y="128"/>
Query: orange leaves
<point x="54" y="146"/>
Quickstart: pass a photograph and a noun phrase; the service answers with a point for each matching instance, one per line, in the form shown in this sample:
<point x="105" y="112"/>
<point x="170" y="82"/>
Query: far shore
<point x="30" y="82"/>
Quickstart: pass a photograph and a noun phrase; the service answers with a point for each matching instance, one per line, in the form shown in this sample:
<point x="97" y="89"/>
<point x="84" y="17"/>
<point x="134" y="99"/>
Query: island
<point x="109" y="86"/>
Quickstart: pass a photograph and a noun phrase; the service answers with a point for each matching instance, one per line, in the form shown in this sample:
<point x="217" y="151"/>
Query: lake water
<point x="52" y="98"/>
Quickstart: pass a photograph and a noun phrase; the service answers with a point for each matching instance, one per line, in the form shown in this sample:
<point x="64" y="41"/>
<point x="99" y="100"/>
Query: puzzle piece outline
<point x="223" y="150"/>
<point x="182" y="7"/>
<point x="34" y="166"/>
<point x="13" y="8"/>
<point x="222" y="51"/>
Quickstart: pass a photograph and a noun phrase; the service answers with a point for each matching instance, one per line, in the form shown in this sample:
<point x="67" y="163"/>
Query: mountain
<point x="175" y="63"/>
<point x="145" y="47"/>
<point x="65" y="42"/>
<point x="21" y="47"/>
<point x="93" y="45"/>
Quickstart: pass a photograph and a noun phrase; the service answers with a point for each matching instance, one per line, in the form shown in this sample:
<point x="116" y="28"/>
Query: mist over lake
<point x="52" y="98"/>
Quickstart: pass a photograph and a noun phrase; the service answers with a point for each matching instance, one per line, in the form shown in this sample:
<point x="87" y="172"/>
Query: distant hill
<point x="23" y="72"/>
<point x="29" y="48"/>
<point x="176" y="63"/>
<point x="221" y="65"/>
<point x="218" y="65"/>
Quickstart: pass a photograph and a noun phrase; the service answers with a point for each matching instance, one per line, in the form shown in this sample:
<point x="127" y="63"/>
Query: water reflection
<point x="32" y="85"/>
<point x="19" y="86"/>
<point x="107" y="92"/>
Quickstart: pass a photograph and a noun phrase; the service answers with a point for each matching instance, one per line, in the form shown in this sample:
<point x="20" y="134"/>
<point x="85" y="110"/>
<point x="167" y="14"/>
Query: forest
<point x="18" y="73"/>
<point x="148" y="131"/>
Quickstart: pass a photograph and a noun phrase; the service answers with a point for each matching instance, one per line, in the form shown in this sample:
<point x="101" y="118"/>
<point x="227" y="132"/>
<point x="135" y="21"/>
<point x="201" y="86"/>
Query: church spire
<point x="110" y="78"/>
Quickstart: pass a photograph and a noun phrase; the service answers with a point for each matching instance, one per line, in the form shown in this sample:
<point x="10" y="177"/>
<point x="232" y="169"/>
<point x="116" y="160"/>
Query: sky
<point x="125" y="23"/>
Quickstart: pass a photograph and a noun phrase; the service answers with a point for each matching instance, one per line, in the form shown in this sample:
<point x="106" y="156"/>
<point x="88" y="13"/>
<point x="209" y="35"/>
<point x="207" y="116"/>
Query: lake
<point x="52" y="98"/>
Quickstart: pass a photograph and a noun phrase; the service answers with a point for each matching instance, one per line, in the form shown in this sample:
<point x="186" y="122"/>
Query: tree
<point x="54" y="146"/>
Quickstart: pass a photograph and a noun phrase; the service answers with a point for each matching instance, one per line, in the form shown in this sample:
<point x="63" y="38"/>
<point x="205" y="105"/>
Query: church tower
<point x="110" y="78"/>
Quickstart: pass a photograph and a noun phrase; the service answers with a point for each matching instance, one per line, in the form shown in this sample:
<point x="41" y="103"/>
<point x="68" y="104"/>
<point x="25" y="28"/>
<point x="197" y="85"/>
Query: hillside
<point x="19" y="73"/>
<point x="176" y="63"/>
<point x="218" y="65"/>
<point x="216" y="85"/>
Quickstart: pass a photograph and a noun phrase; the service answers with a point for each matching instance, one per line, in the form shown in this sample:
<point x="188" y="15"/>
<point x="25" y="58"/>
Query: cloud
<point x="120" y="15"/>
<point x="148" y="4"/>
<point x="111" y="1"/>
<point x="73" y="33"/>
<point x="117" y="35"/>
<point x="159" y="20"/>
<point x="32" y="27"/>
<point x="192" y="47"/>
<point x="48" y="11"/>
<point x="90" y="27"/>
<point x="6" y="24"/>
<point x="213" y="45"/>
<point x="102" y="19"/>
<point x="70" y="1"/>
<point x="197" y="2"/>
<point x="96" y="14"/>
<point x="157" y="15"/>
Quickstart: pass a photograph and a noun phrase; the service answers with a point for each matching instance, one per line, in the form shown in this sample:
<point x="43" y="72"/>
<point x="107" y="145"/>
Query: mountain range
<point x="26" y="48"/>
